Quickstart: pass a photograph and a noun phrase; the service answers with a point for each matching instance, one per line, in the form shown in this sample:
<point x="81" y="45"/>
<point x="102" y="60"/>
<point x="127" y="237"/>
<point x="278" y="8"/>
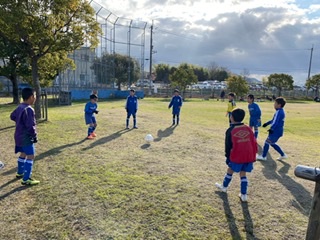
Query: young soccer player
<point x="240" y="151"/>
<point x="176" y="103"/>
<point x="132" y="108"/>
<point x="255" y="115"/>
<point x="89" y="115"/>
<point x="275" y="131"/>
<point x="25" y="136"/>
<point x="231" y="105"/>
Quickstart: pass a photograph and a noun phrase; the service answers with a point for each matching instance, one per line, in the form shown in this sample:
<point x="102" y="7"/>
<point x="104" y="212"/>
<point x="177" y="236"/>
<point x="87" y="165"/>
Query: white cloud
<point x="262" y="36"/>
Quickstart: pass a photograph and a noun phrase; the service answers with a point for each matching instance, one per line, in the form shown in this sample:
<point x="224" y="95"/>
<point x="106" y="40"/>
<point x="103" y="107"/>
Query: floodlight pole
<point x="150" y="59"/>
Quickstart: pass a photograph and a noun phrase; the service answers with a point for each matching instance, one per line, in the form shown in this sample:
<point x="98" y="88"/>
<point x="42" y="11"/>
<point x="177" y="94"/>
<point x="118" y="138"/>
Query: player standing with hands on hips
<point x="25" y="136"/>
<point x="176" y="103"/>
<point x="132" y="108"/>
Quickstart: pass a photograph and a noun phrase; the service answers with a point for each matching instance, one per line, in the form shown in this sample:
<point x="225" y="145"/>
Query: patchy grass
<point x="119" y="187"/>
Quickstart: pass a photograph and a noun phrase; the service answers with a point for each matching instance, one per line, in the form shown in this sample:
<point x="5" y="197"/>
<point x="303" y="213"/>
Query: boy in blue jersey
<point x="89" y="115"/>
<point x="275" y="131"/>
<point x="176" y="103"/>
<point x="25" y="136"/>
<point x="255" y="115"/>
<point x="132" y="108"/>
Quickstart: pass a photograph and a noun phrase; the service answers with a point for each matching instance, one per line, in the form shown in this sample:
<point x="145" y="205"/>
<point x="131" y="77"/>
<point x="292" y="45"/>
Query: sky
<point x="253" y="36"/>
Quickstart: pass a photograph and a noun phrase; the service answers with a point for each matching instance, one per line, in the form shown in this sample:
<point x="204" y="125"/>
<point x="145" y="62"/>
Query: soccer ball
<point x="149" y="138"/>
<point x="1" y="165"/>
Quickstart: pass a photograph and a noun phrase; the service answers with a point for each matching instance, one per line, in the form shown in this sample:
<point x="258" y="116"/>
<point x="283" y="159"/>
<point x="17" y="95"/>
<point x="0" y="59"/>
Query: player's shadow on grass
<point x="248" y="224"/>
<point x="15" y="190"/>
<point x="6" y="128"/>
<point x="106" y="139"/>
<point x="229" y="216"/>
<point x="303" y="198"/>
<point x="165" y="133"/>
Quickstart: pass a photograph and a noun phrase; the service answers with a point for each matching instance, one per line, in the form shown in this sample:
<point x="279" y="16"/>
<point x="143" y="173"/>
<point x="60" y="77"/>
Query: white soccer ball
<point x="149" y="138"/>
<point x="1" y="165"/>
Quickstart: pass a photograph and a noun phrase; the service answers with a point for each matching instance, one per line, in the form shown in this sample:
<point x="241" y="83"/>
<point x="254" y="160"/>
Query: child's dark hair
<point x="176" y="90"/>
<point x="281" y="101"/>
<point x="232" y="94"/>
<point x="251" y="96"/>
<point x="132" y="90"/>
<point x="93" y="96"/>
<point x="27" y="93"/>
<point x="238" y="114"/>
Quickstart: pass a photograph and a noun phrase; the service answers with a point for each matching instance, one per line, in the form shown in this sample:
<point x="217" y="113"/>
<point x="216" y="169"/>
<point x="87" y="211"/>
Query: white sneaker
<point x="282" y="157"/>
<point x="261" y="158"/>
<point x="243" y="197"/>
<point x="221" y="187"/>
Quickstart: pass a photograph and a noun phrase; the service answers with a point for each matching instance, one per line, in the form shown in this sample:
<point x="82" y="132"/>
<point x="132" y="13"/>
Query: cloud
<point x="262" y="36"/>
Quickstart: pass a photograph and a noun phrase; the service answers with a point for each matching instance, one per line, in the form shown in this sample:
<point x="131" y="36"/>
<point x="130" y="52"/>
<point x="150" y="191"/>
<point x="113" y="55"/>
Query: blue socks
<point x="244" y="185"/>
<point x="27" y="169"/>
<point x="227" y="179"/>
<point x="277" y="148"/>
<point x="20" y="165"/>
<point x="90" y="130"/>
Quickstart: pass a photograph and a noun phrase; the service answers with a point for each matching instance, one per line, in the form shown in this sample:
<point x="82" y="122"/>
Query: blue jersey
<point x="255" y="113"/>
<point x="89" y="110"/>
<point x="132" y="104"/>
<point x="277" y="122"/>
<point x="176" y="103"/>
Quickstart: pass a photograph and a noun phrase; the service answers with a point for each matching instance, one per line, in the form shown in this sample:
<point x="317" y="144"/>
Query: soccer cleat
<point x="243" y="197"/>
<point x="93" y="134"/>
<point x="261" y="158"/>
<point x="18" y="175"/>
<point x="30" y="182"/>
<point x="135" y="127"/>
<point x="221" y="187"/>
<point x="90" y="137"/>
<point x="127" y="127"/>
<point x="282" y="157"/>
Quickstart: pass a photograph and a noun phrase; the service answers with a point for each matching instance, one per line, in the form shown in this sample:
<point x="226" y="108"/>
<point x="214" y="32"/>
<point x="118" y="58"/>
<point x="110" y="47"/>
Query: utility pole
<point x="151" y="50"/>
<point x="310" y="62"/>
<point x="150" y="59"/>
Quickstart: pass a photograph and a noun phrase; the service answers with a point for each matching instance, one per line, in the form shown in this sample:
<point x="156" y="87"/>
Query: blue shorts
<point x="254" y="123"/>
<point x="29" y="150"/>
<point x="273" y="138"/>
<point x="90" y="119"/>
<point x="241" y="167"/>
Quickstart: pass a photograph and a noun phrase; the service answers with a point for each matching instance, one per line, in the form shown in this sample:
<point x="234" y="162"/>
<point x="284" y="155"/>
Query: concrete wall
<point x="80" y="94"/>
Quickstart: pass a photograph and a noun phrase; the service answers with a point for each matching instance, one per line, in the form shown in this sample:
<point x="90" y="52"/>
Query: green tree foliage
<point x="115" y="68"/>
<point x="162" y="73"/>
<point x="14" y="64"/>
<point x="314" y="82"/>
<point x="217" y="73"/>
<point x="182" y="77"/>
<point x="280" y="81"/>
<point x="45" y="27"/>
<point x="238" y="85"/>
<point x="201" y="73"/>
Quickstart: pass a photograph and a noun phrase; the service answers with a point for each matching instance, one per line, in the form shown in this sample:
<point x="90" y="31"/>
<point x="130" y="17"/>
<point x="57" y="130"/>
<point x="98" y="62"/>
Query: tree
<point x="45" y="27"/>
<point x="14" y="63"/>
<point x="314" y="82"/>
<point x="217" y="73"/>
<point x="238" y="85"/>
<point x="182" y="77"/>
<point x="280" y="81"/>
<point x="201" y="73"/>
<point x="114" y="68"/>
<point x="162" y="73"/>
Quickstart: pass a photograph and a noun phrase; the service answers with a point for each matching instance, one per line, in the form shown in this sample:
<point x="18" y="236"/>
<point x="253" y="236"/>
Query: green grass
<point x="119" y="187"/>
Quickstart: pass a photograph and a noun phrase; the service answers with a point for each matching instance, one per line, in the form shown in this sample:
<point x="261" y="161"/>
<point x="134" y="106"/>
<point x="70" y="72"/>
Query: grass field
<point x="119" y="187"/>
